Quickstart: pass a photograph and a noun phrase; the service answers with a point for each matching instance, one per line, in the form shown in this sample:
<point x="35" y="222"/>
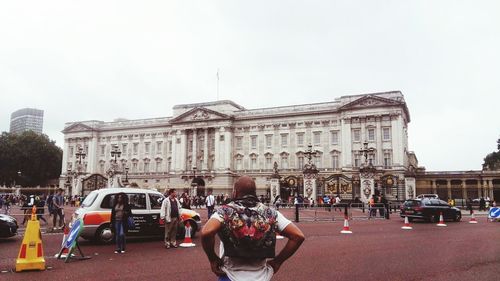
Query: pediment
<point x="370" y="101"/>
<point x="77" y="127"/>
<point x="198" y="114"/>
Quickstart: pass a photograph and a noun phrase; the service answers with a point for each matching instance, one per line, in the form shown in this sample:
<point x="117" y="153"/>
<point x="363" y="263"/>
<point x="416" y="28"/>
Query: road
<point x="377" y="250"/>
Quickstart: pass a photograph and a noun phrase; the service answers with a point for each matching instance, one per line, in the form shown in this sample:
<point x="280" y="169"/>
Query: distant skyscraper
<point x="26" y="119"/>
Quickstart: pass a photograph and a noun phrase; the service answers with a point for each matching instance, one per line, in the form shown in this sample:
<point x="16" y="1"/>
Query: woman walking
<point x="119" y="221"/>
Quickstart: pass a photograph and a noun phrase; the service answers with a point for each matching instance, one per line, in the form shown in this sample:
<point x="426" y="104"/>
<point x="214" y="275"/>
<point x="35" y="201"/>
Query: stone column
<point x="92" y="156"/>
<point x="367" y="187"/>
<point x="434" y="188"/>
<point x="490" y="189"/>
<point x="310" y="186"/>
<point x="205" y="151"/>
<point x="479" y="188"/>
<point x="174" y="157"/>
<point x="410" y="188"/>
<point x="464" y="189"/>
<point x="183" y="150"/>
<point x="217" y="161"/>
<point x="346" y="144"/>
<point x="195" y="150"/>
<point x="228" y="148"/>
<point x="64" y="168"/>
<point x="448" y="186"/>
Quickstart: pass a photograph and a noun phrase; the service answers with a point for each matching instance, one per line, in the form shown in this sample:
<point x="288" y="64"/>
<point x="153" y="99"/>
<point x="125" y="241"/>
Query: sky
<point x="101" y="60"/>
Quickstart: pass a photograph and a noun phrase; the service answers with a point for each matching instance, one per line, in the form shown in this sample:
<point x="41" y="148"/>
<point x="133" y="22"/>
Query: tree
<point x="35" y="156"/>
<point x="492" y="160"/>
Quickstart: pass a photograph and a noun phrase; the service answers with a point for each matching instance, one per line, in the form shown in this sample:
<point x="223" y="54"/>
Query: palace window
<point x="269" y="161"/>
<point x="317" y="138"/>
<point x="134" y="167"/>
<point x="158" y="165"/>
<point x="124" y="148"/>
<point x="386" y="133"/>
<point x="147" y="146"/>
<point x="71" y="151"/>
<point x="317" y="161"/>
<point x="190" y="146"/>
<point x="284" y="140"/>
<point x="239" y="143"/>
<point x="136" y="147"/>
<point x="300" y="160"/>
<point x="103" y="149"/>
<point x="300" y="139"/>
<point x="335" y="162"/>
<point x="239" y="163"/>
<point x="146" y="167"/>
<point x="387" y="159"/>
<point x="253" y="142"/>
<point x="158" y="147"/>
<point x="269" y="141"/>
<point x="335" y="137"/>
<point x="371" y="134"/>
<point x="253" y="162"/>
<point x="170" y="146"/>
<point x="169" y="164"/>
<point x="284" y="161"/>
<point x="356" y="135"/>
<point x="357" y="160"/>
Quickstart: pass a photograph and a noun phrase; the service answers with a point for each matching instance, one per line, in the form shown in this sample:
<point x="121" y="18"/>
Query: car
<point x="95" y="211"/>
<point x="8" y="226"/>
<point x="421" y="196"/>
<point x="429" y="209"/>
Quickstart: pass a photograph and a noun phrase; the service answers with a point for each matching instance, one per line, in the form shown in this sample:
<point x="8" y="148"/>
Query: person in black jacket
<point x="119" y="220"/>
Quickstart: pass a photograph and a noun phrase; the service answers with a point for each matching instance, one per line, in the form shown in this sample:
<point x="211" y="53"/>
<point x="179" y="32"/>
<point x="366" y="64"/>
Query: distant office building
<point x="26" y="119"/>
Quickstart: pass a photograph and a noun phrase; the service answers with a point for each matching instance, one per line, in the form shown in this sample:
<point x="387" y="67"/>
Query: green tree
<point x="492" y="160"/>
<point x="35" y="156"/>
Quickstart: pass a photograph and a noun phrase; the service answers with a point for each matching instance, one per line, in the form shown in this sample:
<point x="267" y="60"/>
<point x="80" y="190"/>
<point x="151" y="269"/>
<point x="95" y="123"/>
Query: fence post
<point x="296" y="212"/>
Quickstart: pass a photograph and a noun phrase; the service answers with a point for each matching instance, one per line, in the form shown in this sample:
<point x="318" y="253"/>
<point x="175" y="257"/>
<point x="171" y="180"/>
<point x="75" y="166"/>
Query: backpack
<point x="248" y="230"/>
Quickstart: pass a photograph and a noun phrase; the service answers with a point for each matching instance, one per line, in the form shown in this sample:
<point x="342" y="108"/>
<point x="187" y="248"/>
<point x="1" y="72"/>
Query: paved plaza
<point x="377" y="250"/>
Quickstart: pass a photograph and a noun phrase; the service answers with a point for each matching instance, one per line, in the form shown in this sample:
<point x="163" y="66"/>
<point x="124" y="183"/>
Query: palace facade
<point x="207" y="145"/>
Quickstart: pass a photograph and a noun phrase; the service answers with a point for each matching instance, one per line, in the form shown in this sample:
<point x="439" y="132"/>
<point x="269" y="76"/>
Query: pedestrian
<point x="247" y="230"/>
<point x="384" y="207"/>
<point x="185" y="201"/>
<point x="210" y="203"/>
<point x="170" y="214"/>
<point x="482" y="204"/>
<point x="119" y="220"/>
<point x="40" y="209"/>
<point x="58" y="209"/>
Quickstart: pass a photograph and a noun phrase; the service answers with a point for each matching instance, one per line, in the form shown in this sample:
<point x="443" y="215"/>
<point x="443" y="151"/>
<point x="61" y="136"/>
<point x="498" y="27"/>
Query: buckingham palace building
<point x="354" y="146"/>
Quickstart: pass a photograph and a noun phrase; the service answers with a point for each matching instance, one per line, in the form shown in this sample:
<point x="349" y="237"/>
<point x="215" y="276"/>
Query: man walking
<point x="170" y="214"/>
<point x="210" y="202"/>
<point x="58" y="211"/>
<point x="247" y="230"/>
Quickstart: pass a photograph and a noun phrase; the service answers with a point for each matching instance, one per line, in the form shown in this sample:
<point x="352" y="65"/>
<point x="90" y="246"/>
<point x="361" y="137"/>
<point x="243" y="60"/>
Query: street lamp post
<point x="126" y="176"/>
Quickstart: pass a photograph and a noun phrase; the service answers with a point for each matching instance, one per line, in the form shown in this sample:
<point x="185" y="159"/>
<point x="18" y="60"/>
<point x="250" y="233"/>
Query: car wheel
<point x="458" y="216"/>
<point x="104" y="234"/>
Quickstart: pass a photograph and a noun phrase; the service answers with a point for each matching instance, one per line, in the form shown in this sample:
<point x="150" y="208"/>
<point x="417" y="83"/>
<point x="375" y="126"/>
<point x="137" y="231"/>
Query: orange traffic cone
<point x="407" y="225"/>
<point x="187" y="237"/>
<point x="441" y="220"/>
<point x="65" y="250"/>
<point x="346" y="229"/>
<point x="472" y="218"/>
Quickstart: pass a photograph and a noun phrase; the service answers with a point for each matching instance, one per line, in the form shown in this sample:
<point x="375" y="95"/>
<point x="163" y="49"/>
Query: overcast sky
<point x="81" y="60"/>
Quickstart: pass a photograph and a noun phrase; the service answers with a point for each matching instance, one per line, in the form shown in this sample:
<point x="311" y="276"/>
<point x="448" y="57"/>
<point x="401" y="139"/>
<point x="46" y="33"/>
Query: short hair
<point x="170" y="191"/>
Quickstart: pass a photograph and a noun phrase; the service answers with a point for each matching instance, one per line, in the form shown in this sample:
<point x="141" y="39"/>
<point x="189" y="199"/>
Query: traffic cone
<point x="346" y="230"/>
<point x="65" y="250"/>
<point x="30" y="255"/>
<point x="187" y="237"/>
<point x="407" y="225"/>
<point x="441" y="220"/>
<point x="472" y="218"/>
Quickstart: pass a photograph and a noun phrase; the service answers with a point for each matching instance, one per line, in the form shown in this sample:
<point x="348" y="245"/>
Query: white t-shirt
<point x="246" y="269"/>
<point x="210" y="200"/>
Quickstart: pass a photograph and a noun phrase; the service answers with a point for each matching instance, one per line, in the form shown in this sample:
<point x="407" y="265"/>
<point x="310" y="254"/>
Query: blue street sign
<point x="494" y="213"/>
<point x="74" y="233"/>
